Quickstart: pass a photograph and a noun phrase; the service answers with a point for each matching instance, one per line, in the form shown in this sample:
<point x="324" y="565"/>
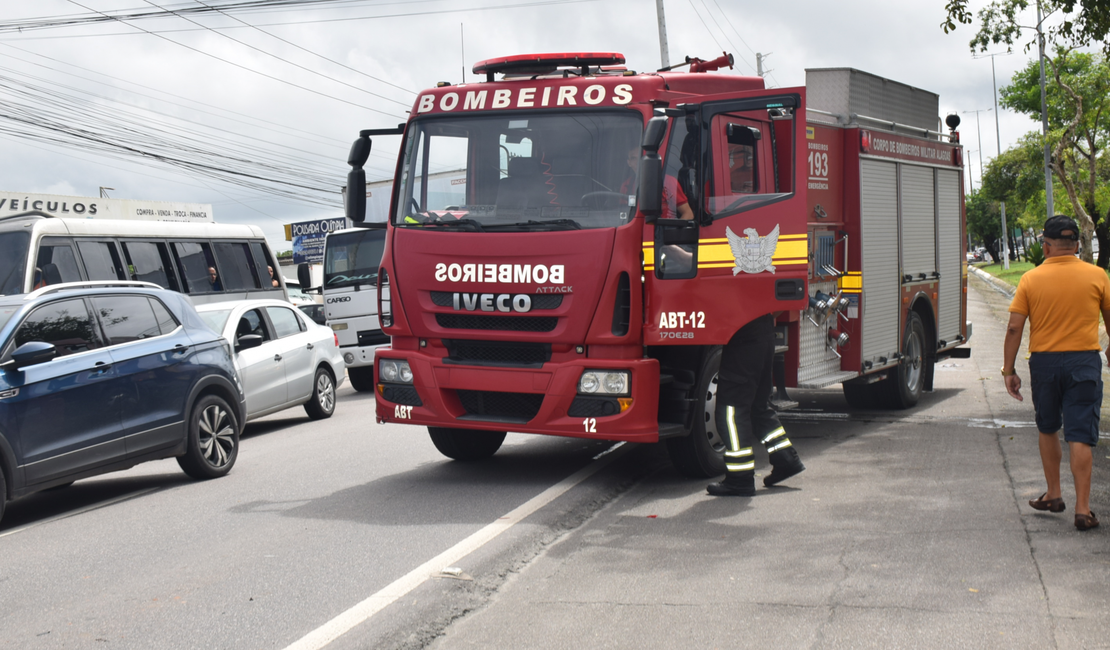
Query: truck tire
<point x="905" y="382"/>
<point x="466" y="444"/>
<point x="864" y="396"/>
<point x="362" y="379"/>
<point x="701" y="454"/>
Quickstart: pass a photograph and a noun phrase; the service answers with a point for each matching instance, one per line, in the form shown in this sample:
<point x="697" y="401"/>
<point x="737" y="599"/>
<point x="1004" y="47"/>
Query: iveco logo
<point x="332" y="301"/>
<point x="492" y="302"/>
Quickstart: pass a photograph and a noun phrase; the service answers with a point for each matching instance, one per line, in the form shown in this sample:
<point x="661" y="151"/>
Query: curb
<point x="997" y="284"/>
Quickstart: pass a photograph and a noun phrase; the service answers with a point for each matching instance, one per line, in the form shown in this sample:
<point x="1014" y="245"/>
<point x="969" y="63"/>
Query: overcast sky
<point x="327" y="72"/>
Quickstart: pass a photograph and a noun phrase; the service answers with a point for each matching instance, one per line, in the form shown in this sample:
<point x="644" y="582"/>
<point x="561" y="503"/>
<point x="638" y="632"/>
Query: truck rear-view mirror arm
<point x="355" y="205"/>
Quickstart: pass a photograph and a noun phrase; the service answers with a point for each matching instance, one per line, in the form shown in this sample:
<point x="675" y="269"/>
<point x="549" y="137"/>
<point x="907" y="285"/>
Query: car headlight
<point x="605" y="382"/>
<point x="394" y="371"/>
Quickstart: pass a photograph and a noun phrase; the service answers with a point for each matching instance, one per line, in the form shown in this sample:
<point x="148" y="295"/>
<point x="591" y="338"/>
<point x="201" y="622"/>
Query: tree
<point x="984" y="223"/>
<point x="1078" y="106"/>
<point x="1083" y="22"/>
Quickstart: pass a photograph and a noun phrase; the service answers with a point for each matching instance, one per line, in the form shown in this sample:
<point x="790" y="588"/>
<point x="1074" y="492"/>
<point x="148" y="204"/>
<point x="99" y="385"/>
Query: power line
<point x="243" y="67"/>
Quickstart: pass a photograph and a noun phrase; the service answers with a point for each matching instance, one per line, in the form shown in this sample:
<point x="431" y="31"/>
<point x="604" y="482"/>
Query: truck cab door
<point x="744" y="253"/>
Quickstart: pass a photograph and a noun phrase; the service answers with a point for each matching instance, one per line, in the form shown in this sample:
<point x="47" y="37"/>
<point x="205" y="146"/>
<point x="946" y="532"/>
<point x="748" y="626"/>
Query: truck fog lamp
<point x="348" y="358"/>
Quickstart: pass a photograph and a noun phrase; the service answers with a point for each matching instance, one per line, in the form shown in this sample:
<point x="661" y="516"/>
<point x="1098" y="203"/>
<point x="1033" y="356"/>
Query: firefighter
<point x="744" y="412"/>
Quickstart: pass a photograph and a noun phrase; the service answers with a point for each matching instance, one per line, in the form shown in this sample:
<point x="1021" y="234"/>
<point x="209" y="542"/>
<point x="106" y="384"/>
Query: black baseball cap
<point x="1056" y="227"/>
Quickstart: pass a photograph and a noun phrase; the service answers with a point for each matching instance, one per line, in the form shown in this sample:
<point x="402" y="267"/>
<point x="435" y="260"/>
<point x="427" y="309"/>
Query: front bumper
<point x="526" y="400"/>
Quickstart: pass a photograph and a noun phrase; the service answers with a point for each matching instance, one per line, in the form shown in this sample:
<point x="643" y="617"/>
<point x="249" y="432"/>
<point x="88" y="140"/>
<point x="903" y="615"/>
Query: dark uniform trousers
<point x="743" y="408"/>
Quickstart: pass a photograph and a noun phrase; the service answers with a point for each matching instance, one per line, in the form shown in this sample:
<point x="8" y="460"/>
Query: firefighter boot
<point x="736" y="484"/>
<point x="784" y="464"/>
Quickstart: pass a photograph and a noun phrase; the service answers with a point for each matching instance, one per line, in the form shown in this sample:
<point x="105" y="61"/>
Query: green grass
<point x="1011" y="276"/>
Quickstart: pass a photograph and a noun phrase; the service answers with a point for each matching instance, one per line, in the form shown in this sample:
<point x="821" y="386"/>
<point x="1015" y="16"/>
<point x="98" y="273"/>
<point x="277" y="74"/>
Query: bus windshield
<point x="532" y="171"/>
<point x="352" y="258"/>
<point x="13" y="261"/>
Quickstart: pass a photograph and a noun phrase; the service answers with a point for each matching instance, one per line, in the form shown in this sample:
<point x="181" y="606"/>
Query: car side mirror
<point x="31" y="353"/>
<point x="248" y="341"/>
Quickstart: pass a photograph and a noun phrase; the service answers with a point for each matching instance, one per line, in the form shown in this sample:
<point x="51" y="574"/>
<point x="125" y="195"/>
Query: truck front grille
<point x="539" y="300"/>
<point x="502" y="323"/>
<point x="501" y="353"/>
<point x="520" y="407"/>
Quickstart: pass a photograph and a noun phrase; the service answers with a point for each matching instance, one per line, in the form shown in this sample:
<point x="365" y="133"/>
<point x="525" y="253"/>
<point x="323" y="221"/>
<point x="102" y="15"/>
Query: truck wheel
<point x="213" y="439"/>
<point x="322" y="402"/>
<point x="863" y="396"/>
<point x="362" y="379"/>
<point x="466" y="444"/>
<point x="701" y="454"/>
<point x="3" y="493"/>
<point x="905" y="382"/>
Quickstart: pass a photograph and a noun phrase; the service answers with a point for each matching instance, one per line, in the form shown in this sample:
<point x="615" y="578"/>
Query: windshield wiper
<point x="553" y="224"/>
<point x="461" y="224"/>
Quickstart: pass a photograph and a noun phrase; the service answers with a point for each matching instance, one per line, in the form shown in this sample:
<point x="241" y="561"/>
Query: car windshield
<point x="216" y="318"/>
<point x="13" y="261"/>
<point x="520" y="172"/>
<point x="353" y="258"/>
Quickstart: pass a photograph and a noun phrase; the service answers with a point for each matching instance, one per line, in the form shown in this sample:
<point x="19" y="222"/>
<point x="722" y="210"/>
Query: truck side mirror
<point x="355" y="204"/>
<point x="304" y="276"/>
<point x="649" y="196"/>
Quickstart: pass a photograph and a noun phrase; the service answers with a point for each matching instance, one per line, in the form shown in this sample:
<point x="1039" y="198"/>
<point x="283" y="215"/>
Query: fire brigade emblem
<point x="753" y="253"/>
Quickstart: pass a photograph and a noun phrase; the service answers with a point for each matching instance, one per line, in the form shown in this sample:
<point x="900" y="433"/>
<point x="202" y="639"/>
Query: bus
<point x="209" y="262"/>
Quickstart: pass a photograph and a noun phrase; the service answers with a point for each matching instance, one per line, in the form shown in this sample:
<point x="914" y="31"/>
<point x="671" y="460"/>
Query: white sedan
<point x="283" y="358"/>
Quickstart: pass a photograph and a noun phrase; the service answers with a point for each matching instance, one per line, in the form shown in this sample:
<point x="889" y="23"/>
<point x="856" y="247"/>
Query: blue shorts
<point x="1067" y="386"/>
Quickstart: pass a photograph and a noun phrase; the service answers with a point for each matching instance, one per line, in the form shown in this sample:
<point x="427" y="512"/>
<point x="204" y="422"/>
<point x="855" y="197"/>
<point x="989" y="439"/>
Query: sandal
<point x="1086" y="522"/>
<point x="1051" y="505"/>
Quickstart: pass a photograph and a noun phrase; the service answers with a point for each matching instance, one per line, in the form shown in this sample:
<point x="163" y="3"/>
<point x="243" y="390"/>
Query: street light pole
<point x="664" y="55"/>
<point x="998" y="144"/>
<point x="1044" y="119"/>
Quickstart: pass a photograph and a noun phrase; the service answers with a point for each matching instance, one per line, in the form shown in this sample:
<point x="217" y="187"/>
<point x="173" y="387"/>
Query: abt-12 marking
<point x="402" y="412"/>
<point x="669" y="320"/>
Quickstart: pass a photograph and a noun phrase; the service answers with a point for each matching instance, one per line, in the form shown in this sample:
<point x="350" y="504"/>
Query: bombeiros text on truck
<point x="602" y="233"/>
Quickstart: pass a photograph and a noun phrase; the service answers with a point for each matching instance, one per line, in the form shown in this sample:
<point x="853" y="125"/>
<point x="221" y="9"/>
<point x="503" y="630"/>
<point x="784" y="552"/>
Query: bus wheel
<point x="362" y="379"/>
<point x="701" y="454"/>
<point x="906" y="381"/>
<point x="466" y="444"/>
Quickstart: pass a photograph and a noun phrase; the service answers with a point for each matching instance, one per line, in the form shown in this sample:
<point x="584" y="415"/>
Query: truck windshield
<point x="532" y="171"/>
<point x="13" y="261"/>
<point x="353" y="258"/>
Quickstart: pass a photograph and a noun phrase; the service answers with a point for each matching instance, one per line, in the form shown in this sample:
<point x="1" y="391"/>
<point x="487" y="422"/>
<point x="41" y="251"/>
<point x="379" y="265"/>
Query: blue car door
<point x="152" y="355"/>
<point x="64" y="415"/>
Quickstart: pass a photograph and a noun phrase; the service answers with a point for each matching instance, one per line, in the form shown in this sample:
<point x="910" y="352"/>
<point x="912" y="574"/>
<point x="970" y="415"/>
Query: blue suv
<point x="97" y="377"/>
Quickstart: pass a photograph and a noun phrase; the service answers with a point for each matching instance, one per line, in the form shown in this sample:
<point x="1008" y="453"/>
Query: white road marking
<point x="66" y="515"/>
<point x="333" y="629"/>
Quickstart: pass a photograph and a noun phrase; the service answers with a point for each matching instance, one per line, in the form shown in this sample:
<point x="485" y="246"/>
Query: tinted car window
<point x="65" y="323"/>
<point x="251" y="323"/>
<point x="149" y="262"/>
<point x="13" y="258"/>
<point x="56" y="263"/>
<point x="101" y="260"/>
<point x="285" y="321"/>
<point x="126" y="318"/>
<point x="264" y="265"/>
<point x="238" y="270"/>
<point x="198" y="266"/>
<point x="166" y="322"/>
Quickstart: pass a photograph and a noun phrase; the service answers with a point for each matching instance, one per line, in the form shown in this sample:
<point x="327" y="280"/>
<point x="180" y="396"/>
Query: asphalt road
<point x="908" y="529"/>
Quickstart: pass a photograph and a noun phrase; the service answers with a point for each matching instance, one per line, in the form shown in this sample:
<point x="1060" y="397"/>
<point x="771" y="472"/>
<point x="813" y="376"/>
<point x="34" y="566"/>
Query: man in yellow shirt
<point x="1062" y="299"/>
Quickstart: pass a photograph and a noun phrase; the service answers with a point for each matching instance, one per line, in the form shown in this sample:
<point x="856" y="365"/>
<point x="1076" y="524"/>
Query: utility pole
<point x="971" y="174"/>
<point x="664" y="54"/>
<point x="998" y="144"/>
<point x="1044" y="119"/>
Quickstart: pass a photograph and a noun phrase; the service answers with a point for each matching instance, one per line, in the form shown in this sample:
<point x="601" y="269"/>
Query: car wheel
<point x="466" y="444"/>
<point x="701" y="454"/>
<point x="322" y="403"/>
<point x="213" y="439"/>
<point x="362" y="379"/>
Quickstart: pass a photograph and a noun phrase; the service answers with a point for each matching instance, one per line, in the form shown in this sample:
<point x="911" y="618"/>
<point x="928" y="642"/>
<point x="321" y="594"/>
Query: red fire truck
<point x="608" y="231"/>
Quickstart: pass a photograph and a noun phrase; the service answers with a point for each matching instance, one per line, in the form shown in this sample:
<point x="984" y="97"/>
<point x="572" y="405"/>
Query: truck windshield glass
<point x="353" y="258"/>
<point x="13" y="261"/>
<point x="521" y="172"/>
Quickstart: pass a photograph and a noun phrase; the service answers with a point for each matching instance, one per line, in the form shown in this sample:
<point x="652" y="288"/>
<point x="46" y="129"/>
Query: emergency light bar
<point x="539" y="63"/>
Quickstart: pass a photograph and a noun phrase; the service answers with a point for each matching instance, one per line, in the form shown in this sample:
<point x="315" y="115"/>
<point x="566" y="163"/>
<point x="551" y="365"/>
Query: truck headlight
<point x="604" y="382"/>
<point x="394" y="371"/>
